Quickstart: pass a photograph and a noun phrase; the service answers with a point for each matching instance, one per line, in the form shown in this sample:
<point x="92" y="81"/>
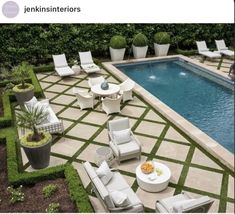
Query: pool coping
<point x="205" y="141"/>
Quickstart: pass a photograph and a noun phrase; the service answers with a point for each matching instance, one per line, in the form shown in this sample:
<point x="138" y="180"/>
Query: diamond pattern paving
<point x="84" y="125"/>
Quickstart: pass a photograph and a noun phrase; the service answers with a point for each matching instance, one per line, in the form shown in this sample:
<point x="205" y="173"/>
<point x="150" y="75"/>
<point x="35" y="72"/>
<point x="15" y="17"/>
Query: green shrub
<point x="53" y="208"/>
<point x="162" y="38"/>
<point x="76" y="190"/>
<point x="49" y="190"/>
<point x="117" y="42"/>
<point x="186" y="52"/>
<point x="140" y="40"/>
<point x="19" y="88"/>
<point x="16" y="194"/>
<point x="6" y="120"/>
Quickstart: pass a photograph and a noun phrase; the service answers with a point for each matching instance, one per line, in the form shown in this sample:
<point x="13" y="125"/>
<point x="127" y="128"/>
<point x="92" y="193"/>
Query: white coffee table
<point x="156" y="185"/>
<point x="113" y="89"/>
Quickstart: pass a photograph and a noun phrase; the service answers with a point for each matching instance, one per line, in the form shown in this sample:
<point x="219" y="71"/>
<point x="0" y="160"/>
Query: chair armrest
<point x="135" y="138"/>
<point x="124" y="208"/>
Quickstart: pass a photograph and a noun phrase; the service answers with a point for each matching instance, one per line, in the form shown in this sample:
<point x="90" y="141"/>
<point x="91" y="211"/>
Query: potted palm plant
<point x="23" y="91"/>
<point x="161" y="43"/>
<point x="117" y="48"/>
<point x="37" y="145"/>
<point x="140" y="46"/>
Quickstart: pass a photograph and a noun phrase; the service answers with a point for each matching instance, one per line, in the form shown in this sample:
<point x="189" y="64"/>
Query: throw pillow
<point x="104" y="173"/>
<point x="120" y="199"/>
<point x="122" y="136"/>
<point x="31" y="103"/>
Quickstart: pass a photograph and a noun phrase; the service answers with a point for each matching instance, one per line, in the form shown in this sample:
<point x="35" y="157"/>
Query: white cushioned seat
<point x="128" y="148"/>
<point x="117" y="183"/>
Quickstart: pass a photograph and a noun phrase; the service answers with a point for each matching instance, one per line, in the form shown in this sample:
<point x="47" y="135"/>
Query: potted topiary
<point x="140" y="46"/>
<point x="37" y="145"/>
<point x="23" y="91"/>
<point x="161" y="43"/>
<point x="117" y="48"/>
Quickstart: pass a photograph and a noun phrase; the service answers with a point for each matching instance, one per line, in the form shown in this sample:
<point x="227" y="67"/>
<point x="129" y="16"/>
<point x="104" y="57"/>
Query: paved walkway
<point x="192" y="169"/>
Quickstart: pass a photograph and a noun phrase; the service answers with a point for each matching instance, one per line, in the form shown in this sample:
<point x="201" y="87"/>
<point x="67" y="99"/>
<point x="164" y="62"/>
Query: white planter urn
<point x="139" y="52"/>
<point x="161" y="50"/>
<point x="117" y="54"/>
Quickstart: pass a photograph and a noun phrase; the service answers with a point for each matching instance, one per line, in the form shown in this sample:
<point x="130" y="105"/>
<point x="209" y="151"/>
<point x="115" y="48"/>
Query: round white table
<point x="113" y="89"/>
<point x="158" y="182"/>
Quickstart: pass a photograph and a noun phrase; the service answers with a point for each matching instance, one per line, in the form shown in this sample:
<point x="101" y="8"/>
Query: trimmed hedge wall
<point x="77" y="192"/>
<point x="6" y="120"/>
<point x="48" y="39"/>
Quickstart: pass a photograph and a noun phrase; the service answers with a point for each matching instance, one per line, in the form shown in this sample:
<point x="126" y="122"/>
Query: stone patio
<point x="85" y="131"/>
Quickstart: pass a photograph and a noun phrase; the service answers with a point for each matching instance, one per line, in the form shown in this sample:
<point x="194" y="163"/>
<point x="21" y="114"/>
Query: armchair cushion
<point x="122" y="136"/>
<point x="119" y="198"/>
<point x="104" y="173"/>
<point x="128" y="148"/>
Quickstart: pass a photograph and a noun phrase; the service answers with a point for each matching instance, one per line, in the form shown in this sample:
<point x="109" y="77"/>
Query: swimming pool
<point x="206" y="101"/>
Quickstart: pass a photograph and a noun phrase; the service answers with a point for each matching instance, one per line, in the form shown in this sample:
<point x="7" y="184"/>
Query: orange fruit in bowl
<point x="147" y="167"/>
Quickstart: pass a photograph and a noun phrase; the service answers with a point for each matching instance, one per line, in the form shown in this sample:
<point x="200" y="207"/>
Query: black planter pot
<point x="39" y="157"/>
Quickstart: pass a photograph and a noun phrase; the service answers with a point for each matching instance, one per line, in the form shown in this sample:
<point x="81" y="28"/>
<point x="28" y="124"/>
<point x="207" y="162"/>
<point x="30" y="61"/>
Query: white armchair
<point x="111" y="105"/>
<point x="52" y="124"/>
<point x="122" y="140"/>
<point x="126" y="88"/>
<point x="95" y="81"/>
<point x="184" y="203"/>
<point x="84" y="98"/>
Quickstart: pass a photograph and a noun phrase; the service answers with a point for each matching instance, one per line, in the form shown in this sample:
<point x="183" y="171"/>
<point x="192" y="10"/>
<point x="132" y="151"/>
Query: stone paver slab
<point x="64" y="99"/>
<point x="173" y="150"/>
<point x="132" y="111"/>
<point x="83" y="131"/>
<point x="72" y="113"/>
<point x="103" y="137"/>
<point x="57" y="88"/>
<point x="52" y="79"/>
<point x="89" y="153"/>
<point x="151" y="115"/>
<point x="201" y="159"/>
<point x="66" y="146"/>
<point x="95" y="118"/>
<point x="149" y="128"/>
<point x="174" y="135"/>
<point x="204" y="180"/>
<point x="231" y="187"/>
<point x="147" y="143"/>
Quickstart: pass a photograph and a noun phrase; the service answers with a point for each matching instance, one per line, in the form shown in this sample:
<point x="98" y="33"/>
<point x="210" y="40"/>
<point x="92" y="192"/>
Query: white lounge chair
<point x="126" y="88"/>
<point x="117" y="184"/>
<point x="61" y="65"/>
<point x="111" y="105"/>
<point x="184" y="203"/>
<point x="204" y="51"/>
<point x="95" y="80"/>
<point x="52" y="124"/>
<point x="87" y="62"/>
<point x="122" y="140"/>
<point x="84" y="98"/>
<point x="223" y="49"/>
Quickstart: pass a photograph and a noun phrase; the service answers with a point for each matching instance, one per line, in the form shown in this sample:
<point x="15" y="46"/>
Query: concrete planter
<point x="139" y="52"/>
<point x="117" y="54"/>
<point x="23" y="95"/>
<point x="39" y="157"/>
<point x="161" y="50"/>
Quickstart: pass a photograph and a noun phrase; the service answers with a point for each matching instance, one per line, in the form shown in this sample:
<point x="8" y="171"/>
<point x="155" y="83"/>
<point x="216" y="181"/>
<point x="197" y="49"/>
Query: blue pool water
<point x="203" y="102"/>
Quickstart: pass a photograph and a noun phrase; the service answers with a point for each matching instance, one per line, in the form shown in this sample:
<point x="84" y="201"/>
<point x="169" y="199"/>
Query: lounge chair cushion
<point x="122" y="136"/>
<point x="104" y="173"/>
<point x="119" y="198"/>
<point x="64" y="71"/>
<point x="128" y="148"/>
<point x="179" y="205"/>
